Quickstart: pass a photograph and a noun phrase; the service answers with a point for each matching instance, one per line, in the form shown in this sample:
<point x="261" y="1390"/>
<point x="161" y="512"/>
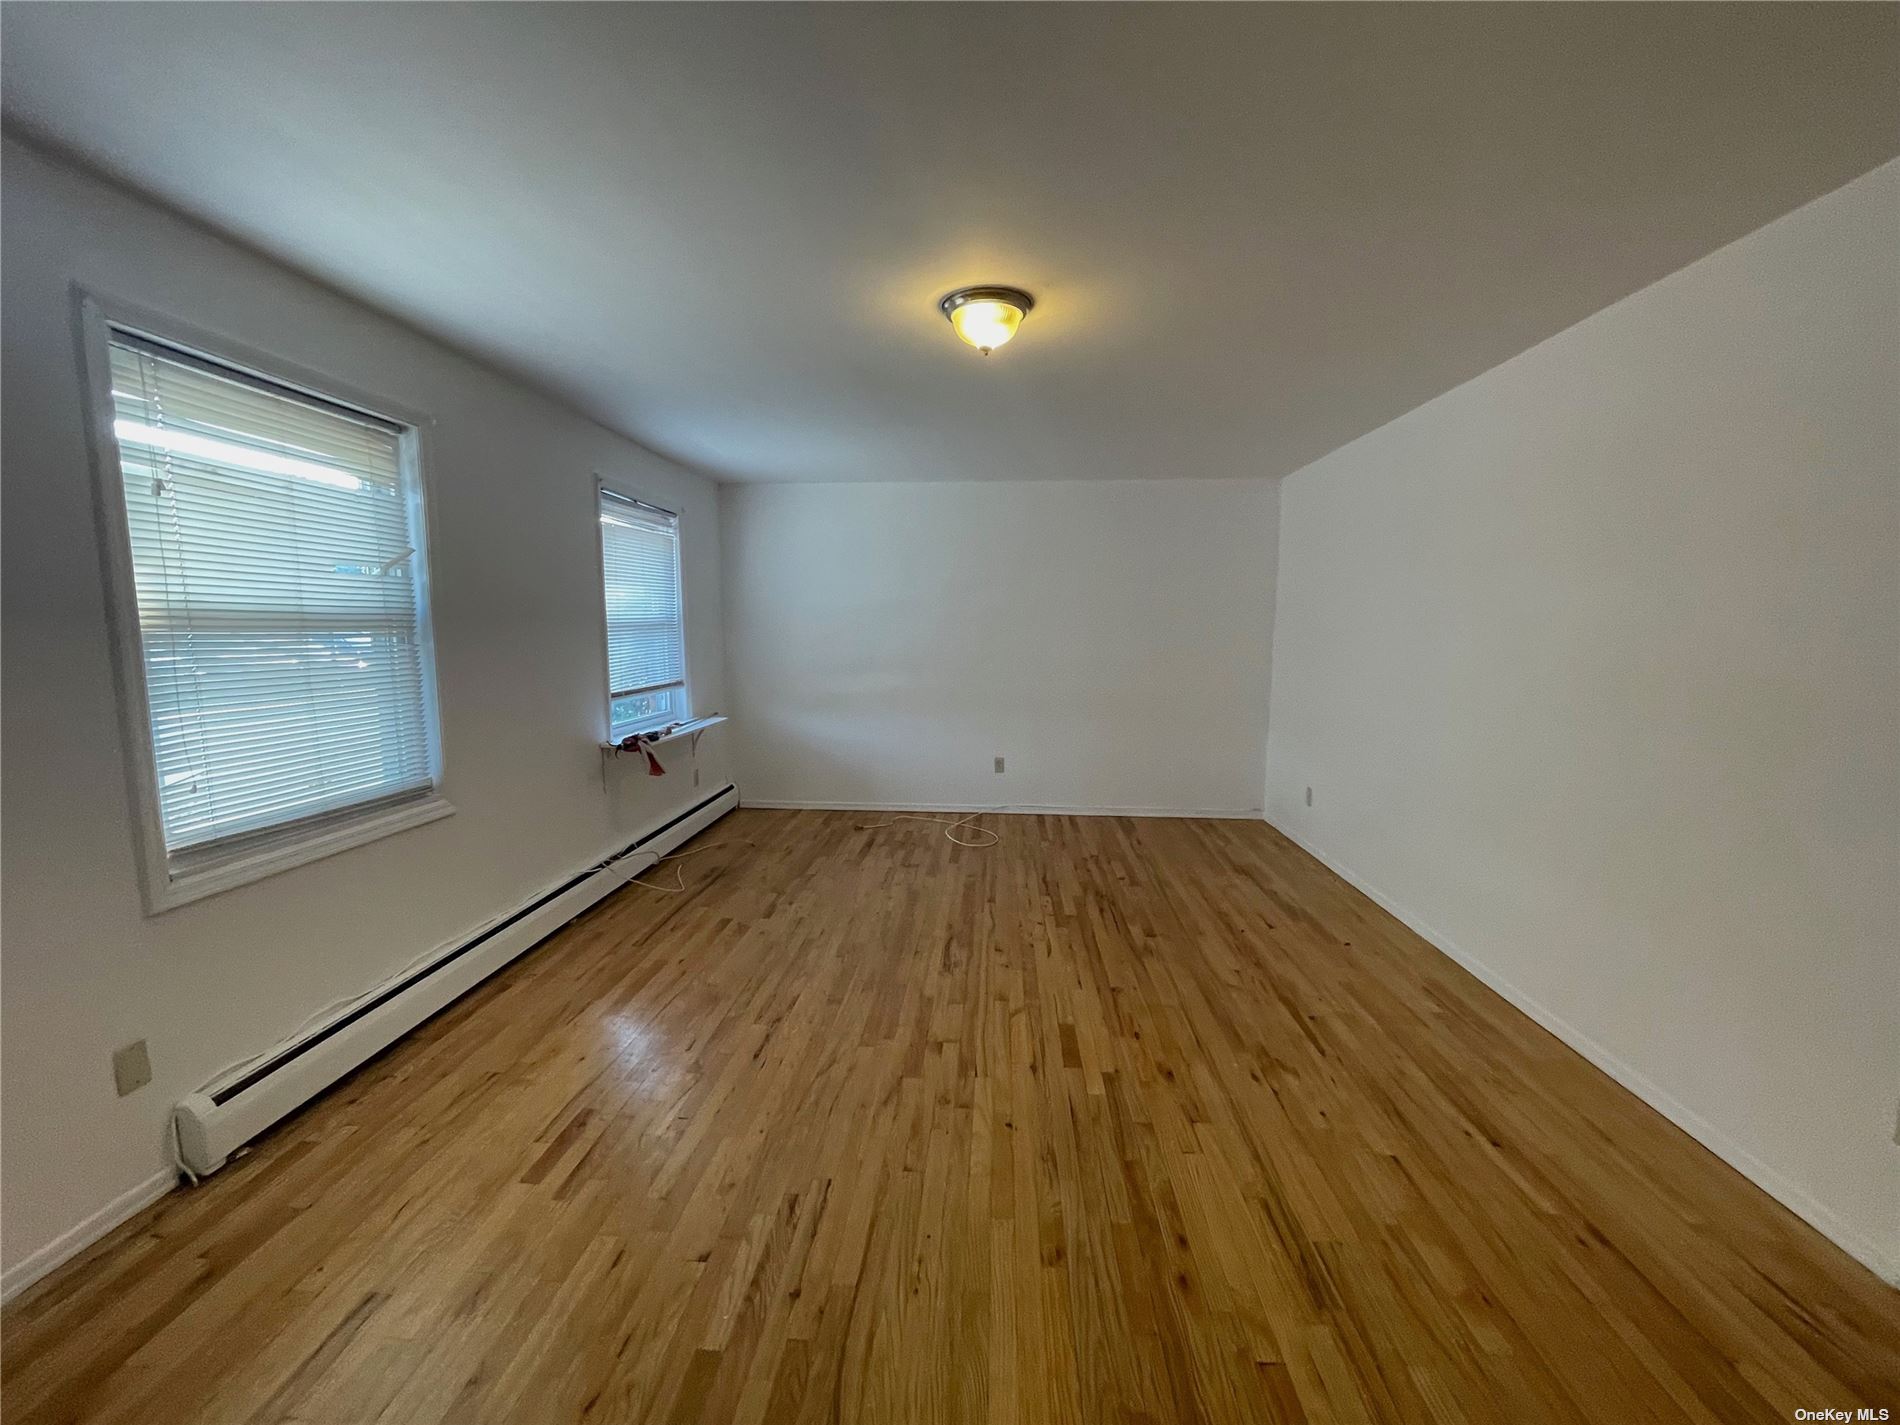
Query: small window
<point x="646" y="643"/>
<point x="276" y="566"/>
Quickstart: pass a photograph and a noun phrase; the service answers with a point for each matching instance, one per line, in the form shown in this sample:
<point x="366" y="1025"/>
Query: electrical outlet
<point x="131" y="1068"/>
<point x="999" y="764"/>
<point x="1309" y="796"/>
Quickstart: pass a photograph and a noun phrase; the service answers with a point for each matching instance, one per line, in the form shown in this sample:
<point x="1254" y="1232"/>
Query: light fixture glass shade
<point x="986" y="325"/>
<point x="986" y="317"/>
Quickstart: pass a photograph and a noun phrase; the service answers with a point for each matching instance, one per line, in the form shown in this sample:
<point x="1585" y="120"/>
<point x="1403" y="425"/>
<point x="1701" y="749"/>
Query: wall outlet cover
<point x="999" y="764"/>
<point x="131" y="1068"/>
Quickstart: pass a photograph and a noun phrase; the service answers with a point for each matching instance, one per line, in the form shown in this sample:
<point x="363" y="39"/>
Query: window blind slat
<point x="200" y="401"/>
<point x="274" y="564"/>
<point x="646" y="647"/>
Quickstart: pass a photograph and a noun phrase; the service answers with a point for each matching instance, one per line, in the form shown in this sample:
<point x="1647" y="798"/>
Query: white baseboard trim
<point x="1789" y="1194"/>
<point x="1190" y="813"/>
<point x="81" y="1235"/>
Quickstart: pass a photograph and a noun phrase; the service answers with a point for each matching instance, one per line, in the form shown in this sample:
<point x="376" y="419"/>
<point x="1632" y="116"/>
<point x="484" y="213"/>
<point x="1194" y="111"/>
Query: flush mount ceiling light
<point x="986" y="317"/>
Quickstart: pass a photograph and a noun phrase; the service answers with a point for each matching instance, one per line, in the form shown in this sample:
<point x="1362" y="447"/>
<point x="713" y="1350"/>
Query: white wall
<point x="1593" y="665"/>
<point x="521" y="678"/>
<point x="1108" y="639"/>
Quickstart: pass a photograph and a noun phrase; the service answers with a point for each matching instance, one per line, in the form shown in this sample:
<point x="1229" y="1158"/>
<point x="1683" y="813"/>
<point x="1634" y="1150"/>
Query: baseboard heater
<point x="214" y="1122"/>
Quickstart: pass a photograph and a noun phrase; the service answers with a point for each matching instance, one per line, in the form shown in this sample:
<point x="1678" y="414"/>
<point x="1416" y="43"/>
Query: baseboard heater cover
<point x="212" y="1124"/>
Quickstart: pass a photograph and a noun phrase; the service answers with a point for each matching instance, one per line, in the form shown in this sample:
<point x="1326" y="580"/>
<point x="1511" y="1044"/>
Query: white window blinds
<point x="646" y="646"/>
<point x="275" y="556"/>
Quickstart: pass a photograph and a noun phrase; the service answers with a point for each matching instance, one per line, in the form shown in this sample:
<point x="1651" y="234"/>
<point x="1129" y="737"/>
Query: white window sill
<point x="673" y="734"/>
<point x="198" y="882"/>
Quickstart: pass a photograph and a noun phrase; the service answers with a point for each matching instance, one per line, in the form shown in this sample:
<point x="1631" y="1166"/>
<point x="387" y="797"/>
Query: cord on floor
<point x="679" y="874"/>
<point x="950" y="827"/>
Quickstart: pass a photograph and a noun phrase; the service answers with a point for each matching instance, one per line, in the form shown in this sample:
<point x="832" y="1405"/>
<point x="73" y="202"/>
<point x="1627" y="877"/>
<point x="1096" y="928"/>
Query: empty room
<point x="949" y="714"/>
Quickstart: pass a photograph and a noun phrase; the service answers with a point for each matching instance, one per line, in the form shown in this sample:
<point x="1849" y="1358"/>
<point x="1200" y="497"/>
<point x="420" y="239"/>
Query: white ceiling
<point x="1254" y="232"/>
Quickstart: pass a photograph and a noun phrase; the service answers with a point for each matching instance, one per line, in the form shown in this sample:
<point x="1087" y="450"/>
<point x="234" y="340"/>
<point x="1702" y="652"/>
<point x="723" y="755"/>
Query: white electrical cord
<point x="950" y="825"/>
<point x="680" y="875"/>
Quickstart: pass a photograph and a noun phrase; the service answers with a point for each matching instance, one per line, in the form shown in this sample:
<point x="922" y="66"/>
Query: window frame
<point x="623" y="491"/>
<point x="169" y="881"/>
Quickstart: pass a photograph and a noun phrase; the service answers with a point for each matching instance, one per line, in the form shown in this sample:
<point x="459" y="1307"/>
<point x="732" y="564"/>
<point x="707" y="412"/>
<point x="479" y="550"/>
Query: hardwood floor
<point x="1119" y="1121"/>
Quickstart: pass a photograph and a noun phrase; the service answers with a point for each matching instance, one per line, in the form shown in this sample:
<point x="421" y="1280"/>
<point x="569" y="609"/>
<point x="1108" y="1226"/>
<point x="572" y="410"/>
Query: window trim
<point x="167" y="882"/>
<point x="624" y="491"/>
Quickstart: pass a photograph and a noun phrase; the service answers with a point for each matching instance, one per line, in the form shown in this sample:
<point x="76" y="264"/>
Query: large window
<point x="646" y="644"/>
<point x="273" y="554"/>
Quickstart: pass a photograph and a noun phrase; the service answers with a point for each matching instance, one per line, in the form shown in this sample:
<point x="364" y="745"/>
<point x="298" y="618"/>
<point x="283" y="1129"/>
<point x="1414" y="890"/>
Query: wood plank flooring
<point x="1118" y="1121"/>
